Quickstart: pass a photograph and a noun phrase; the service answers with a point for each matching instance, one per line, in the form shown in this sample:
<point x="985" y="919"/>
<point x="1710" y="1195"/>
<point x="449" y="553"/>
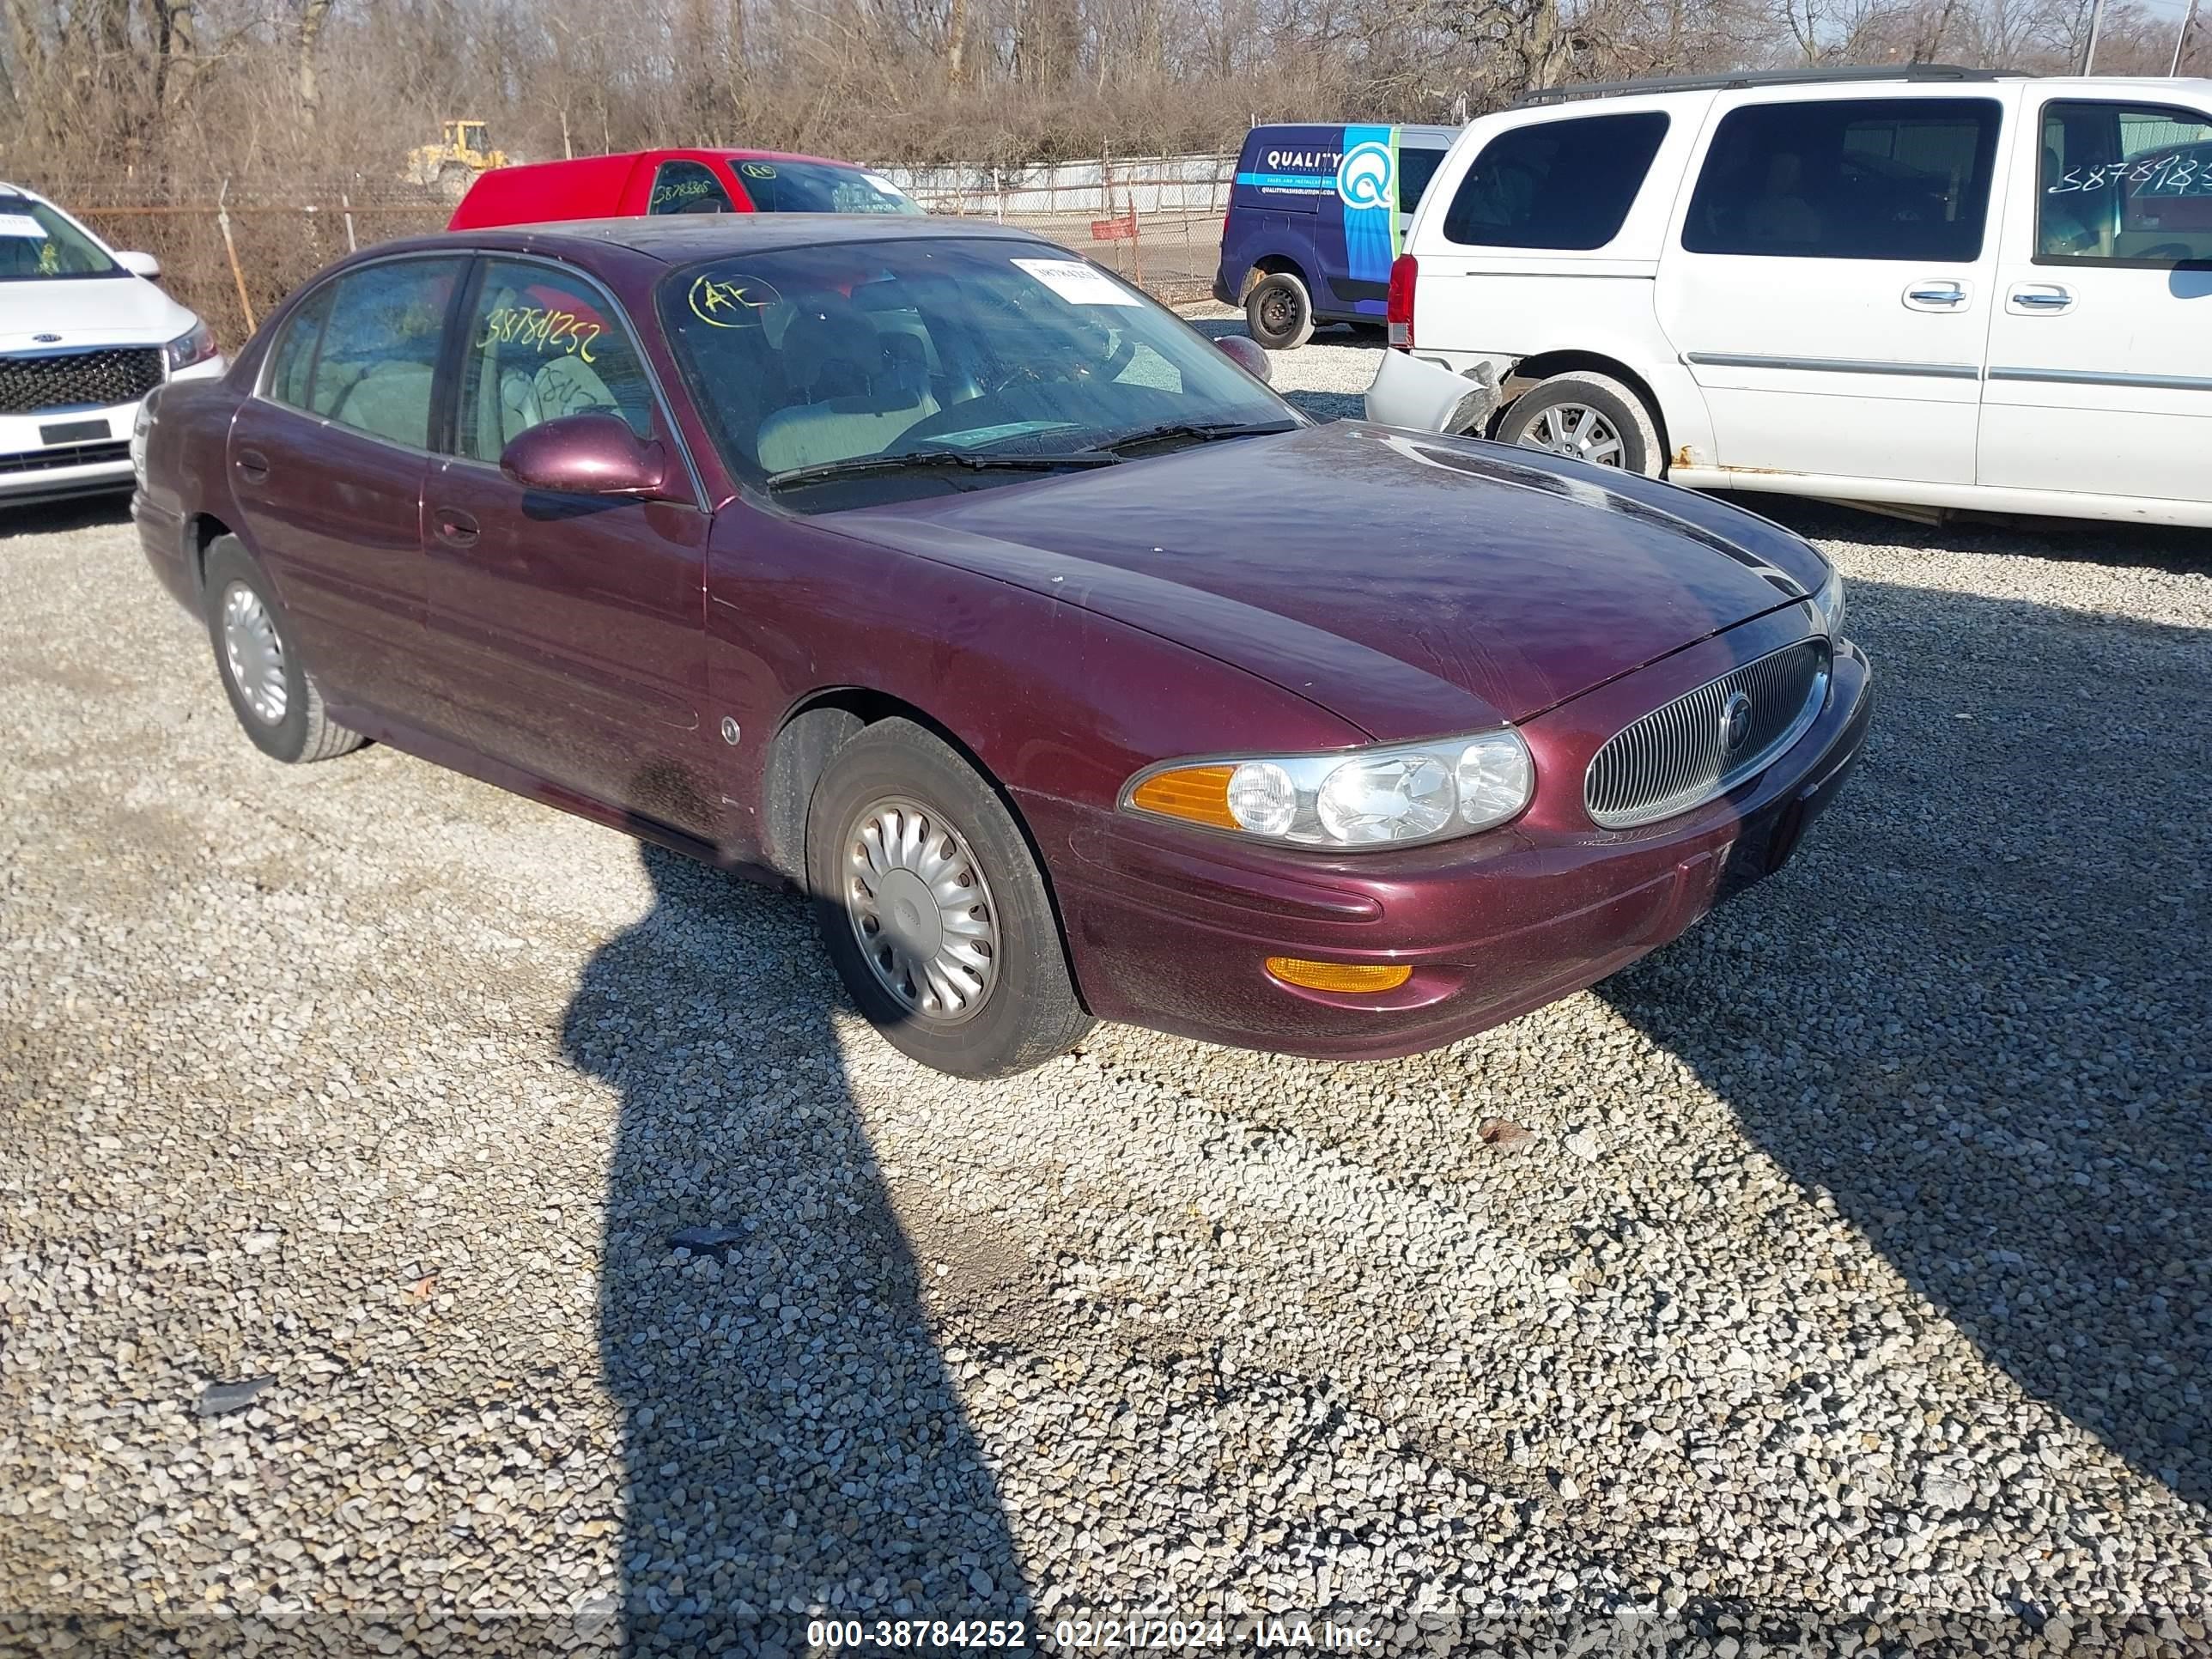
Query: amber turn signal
<point x="1196" y="794"/>
<point x="1353" y="976"/>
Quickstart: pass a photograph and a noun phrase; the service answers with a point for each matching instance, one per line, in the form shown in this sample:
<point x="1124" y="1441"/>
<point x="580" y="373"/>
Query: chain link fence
<point x="231" y="249"/>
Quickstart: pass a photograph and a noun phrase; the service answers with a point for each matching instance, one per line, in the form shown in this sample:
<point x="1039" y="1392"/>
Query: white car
<point x="1929" y="289"/>
<point x="84" y="336"/>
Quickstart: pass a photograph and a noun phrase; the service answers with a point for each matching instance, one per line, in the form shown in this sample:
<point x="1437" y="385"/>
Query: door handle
<point x="252" y="465"/>
<point x="1936" y="296"/>
<point x="2044" y="299"/>
<point x="455" y="527"/>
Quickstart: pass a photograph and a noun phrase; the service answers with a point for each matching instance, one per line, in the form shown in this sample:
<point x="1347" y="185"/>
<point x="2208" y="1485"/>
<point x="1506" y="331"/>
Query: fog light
<point x="1353" y="976"/>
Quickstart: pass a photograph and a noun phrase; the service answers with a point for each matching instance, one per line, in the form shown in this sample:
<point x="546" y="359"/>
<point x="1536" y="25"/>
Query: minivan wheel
<point x="270" y="692"/>
<point x="1279" y="311"/>
<point x="1591" y="417"/>
<point x="933" y="911"/>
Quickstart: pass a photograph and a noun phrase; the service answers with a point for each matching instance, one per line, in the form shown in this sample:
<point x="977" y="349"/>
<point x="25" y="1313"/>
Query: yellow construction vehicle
<point x="464" y="150"/>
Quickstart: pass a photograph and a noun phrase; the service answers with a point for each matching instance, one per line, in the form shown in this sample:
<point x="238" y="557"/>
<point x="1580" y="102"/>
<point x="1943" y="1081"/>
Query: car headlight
<point x="1392" y="795"/>
<point x="196" y="346"/>
<point x="1828" y="604"/>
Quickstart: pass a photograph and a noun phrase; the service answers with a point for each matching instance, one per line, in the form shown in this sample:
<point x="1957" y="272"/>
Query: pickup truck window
<point x="688" y="187"/>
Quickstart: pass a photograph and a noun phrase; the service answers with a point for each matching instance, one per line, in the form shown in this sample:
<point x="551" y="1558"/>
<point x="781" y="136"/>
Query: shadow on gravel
<point x="54" y="518"/>
<point x="1973" y="1006"/>
<point x="791" y="1438"/>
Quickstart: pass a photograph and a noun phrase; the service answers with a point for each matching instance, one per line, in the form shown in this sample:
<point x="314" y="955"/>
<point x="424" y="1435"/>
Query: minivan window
<point x="2127" y="185"/>
<point x="1848" y="179"/>
<point x="377" y="359"/>
<point x="1563" y="184"/>
<point x="688" y="187"/>
<point x="542" y="344"/>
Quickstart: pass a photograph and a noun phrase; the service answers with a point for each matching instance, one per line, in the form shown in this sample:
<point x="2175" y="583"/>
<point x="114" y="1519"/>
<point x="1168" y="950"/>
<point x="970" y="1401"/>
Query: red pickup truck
<point x="675" y="181"/>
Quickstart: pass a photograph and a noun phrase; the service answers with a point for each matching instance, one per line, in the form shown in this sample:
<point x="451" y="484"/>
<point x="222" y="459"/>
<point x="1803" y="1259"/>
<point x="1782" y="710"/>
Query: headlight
<point x="141" y="425"/>
<point x="196" y="346"/>
<point x="1392" y="795"/>
<point x="1828" y="604"/>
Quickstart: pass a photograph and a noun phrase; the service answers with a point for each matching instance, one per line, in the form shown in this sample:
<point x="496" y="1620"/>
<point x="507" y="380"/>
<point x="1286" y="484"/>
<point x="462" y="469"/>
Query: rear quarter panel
<point x="186" y="477"/>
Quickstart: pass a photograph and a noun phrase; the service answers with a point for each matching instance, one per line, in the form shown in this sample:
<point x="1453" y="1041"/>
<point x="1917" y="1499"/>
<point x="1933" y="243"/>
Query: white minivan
<point x="1929" y="287"/>
<point x="84" y="336"/>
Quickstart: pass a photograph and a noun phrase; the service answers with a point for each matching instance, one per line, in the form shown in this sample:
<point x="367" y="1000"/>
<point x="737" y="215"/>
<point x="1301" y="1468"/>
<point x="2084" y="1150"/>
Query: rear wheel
<point x="934" y="909"/>
<point x="270" y="690"/>
<point x="1590" y="416"/>
<point x="1279" y="311"/>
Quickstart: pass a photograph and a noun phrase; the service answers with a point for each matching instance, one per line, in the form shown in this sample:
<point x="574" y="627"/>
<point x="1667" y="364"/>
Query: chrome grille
<point x="36" y="381"/>
<point x="1679" y="756"/>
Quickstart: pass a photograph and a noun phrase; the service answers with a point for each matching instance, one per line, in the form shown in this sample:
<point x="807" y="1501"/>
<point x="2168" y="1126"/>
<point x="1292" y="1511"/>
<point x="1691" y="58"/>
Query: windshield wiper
<point x="929" y="461"/>
<point x="1199" y="432"/>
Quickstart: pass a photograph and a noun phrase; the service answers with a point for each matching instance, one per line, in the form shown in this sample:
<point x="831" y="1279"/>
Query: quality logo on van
<point x="1363" y="177"/>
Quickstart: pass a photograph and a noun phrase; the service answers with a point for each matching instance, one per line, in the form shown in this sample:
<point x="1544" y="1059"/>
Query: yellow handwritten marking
<point x="737" y="303"/>
<point x="547" y="331"/>
<point x="756" y="169"/>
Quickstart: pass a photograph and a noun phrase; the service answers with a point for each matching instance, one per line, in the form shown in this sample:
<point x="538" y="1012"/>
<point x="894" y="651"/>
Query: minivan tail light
<point x="1398" y="309"/>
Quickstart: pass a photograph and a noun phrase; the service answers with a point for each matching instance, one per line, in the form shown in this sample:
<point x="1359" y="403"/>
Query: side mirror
<point x="1248" y="355"/>
<point x="591" y="454"/>
<point x="140" y="264"/>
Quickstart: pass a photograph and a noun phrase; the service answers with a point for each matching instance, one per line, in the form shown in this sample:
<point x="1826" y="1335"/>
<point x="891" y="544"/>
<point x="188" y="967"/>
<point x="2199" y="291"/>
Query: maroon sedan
<point x="1075" y="674"/>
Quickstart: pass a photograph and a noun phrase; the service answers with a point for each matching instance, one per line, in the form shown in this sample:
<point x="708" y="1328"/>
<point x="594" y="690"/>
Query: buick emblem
<point x="1735" y="721"/>
<point x="47" y="339"/>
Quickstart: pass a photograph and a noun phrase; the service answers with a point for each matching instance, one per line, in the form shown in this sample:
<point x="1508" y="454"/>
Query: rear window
<point x="1416" y="167"/>
<point x="1555" y="184"/>
<point x="820" y="187"/>
<point x="1848" y="179"/>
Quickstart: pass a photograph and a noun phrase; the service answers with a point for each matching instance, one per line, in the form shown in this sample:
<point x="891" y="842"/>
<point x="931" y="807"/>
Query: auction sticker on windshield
<point x="1077" y="283"/>
<point x="21" y="224"/>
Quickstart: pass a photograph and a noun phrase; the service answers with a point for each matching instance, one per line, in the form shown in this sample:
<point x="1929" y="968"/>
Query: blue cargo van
<point x="1316" y="214"/>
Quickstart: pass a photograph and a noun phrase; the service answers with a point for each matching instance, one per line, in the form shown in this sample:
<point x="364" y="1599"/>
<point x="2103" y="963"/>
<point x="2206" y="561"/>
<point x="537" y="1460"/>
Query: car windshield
<point x="820" y="187"/>
<point x="986" y="349"/>
<point x="37" y="243"/>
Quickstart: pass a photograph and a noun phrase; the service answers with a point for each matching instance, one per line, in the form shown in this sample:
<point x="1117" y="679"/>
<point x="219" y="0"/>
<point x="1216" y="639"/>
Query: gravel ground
<point x="1837" y="1280"/>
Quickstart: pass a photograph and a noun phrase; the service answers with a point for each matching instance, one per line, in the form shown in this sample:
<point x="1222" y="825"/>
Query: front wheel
<point x="1591" y="417"/>
<point x="1279" y="311"/>
<point x="934" y="909"/>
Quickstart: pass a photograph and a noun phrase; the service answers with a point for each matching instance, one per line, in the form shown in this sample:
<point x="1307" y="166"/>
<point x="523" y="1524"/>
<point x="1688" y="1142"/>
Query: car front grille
<point x="33" y="382"/>
<point x="1680" y="756"/>
<point x="45" y="460"/>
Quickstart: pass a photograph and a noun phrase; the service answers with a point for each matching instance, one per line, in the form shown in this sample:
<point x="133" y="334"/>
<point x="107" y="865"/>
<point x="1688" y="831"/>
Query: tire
<point x="1279" y="311"/>
<point x="283" y="711"/>
<point x="1625" y="433"/>
<point x="1026" y="1011"/>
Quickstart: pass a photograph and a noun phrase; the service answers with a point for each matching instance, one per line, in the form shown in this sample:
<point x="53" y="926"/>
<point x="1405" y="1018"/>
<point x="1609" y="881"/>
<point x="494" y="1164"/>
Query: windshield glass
<point x="37" y="242"/>
<point x="982" y="348"/>
<point x="820" y="187"/>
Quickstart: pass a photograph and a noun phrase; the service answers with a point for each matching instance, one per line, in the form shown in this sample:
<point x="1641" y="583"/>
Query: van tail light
<point x="1398" y="309"/>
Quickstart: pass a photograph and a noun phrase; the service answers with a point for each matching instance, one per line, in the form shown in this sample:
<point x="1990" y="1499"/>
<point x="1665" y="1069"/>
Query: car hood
<point x="1411" y="583"/>
<point x="88" y="311"/>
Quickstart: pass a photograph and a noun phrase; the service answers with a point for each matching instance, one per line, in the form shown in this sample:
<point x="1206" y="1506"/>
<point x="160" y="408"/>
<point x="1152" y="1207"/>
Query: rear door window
<point x="373" y="365"/>
<point x="1848" y="179"/>
<point x="1566" y="184"/>
<point x="2127" y="185"/>
<point x="688" y="187"/>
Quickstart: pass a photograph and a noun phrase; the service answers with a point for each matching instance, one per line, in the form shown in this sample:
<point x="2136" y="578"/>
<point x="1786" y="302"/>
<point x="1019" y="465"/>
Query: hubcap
<point x="921" y="911"/>
<point x="1575" y="429"/>
<point x="254" y="653"/>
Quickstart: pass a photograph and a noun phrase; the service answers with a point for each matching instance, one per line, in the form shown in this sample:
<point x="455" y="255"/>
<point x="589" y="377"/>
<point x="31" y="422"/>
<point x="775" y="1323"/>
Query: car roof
<point x="1936" y="80"/>
<point x="677" y="238"/>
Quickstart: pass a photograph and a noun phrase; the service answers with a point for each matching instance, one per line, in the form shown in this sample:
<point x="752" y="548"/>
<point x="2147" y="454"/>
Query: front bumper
<point x="57" y="454"/>
<point x="1170" y="930"/>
